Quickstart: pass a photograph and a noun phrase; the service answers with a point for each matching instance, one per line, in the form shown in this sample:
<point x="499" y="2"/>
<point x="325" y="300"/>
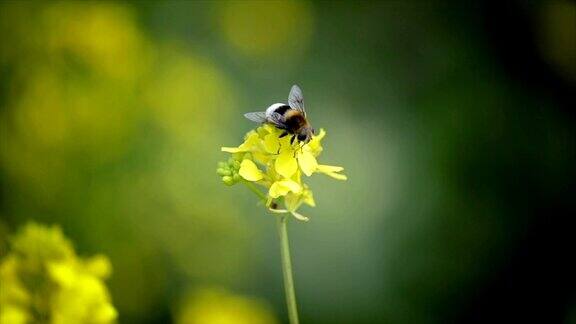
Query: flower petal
<point x="271" y="143"/>
<point x="315" y="145"/>
<point x="281" y="188"/>
<point x="278" y="211"/>
<point x="299" y="216"/>
<point x="331" y="171"/>
<point x="261" y="157"/>
<point x="251" y="141"/>
<point x="249" y="171"/>
<point x="292" y="185"/>
<point x="337" y="176"/>
<point x="330" y="168"/>
<point x="307" y="162"/>
<point x="286" y="164"/>
<point x="309" y="198"/>
<point x="292" y="201"/>
<point x="269" y="128"/>
<point x="276" y="190"/>
<point x="231" y="149"/>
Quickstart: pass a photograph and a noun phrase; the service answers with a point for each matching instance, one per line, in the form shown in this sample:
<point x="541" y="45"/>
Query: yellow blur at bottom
<point x="44" y="281"/>
<point x="219" y="306"/>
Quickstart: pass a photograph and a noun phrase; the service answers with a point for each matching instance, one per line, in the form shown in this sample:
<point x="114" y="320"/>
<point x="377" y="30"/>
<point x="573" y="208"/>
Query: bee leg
<point x="292" y="139"/>
<point x="281" y="135"/>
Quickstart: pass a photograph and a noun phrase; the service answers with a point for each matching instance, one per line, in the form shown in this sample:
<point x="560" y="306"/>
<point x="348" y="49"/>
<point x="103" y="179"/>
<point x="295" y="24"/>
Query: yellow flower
<point x="332" y="171"/>
<point x="272" y="162"/>
<point x="249" y="171"/>
<point x="283" y="187"/>
<point x="307" y="162"/>
<point x="285" y="164"/>
<point x="43" y="278"/>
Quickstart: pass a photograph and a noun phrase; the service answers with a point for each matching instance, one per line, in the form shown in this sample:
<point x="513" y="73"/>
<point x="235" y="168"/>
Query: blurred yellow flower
<point x="187" y="93"/>
<point x="74" y="91"/>
<point x="263" y="29"/>
<point x="102" y="35"/>
<point x="276" y="164"/>
<point x="218" y="306"/>
<point x="44" y="281"/>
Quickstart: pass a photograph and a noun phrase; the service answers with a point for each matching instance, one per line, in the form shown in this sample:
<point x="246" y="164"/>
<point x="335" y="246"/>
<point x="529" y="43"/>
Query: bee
<point x="291" y="117"/>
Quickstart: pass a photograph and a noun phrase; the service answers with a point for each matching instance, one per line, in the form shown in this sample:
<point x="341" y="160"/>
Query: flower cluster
<point x="43" y="281"/>
<point x="273" y="162"/>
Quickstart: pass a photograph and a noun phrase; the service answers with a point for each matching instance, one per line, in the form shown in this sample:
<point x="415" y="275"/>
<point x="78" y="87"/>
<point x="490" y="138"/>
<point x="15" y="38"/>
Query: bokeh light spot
<point x="261" y="29"/>
<point x="558" y="36"/>
<point x="219" y="306"/>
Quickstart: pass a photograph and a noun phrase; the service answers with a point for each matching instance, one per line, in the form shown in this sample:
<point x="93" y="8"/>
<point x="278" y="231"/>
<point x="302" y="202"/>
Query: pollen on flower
<point x="276" y="165"/>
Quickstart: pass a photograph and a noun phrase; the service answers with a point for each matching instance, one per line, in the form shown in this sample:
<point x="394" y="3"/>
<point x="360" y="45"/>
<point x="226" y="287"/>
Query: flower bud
<point x="228" y="180"/>
<point x="224" y="171"/>
<point x="236" y="165"/>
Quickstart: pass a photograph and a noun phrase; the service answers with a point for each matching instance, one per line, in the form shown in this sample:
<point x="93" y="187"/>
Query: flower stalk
<point x="271" y="161"/>
<point x="289" y="290"/>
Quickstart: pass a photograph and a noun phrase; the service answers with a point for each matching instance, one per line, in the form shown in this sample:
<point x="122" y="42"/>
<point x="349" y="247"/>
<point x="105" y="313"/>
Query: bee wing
<point x="258" y="116"/>
<point x="273" y="118"/>
<point x="277" y="120"/>
<point x="296" y="99"/>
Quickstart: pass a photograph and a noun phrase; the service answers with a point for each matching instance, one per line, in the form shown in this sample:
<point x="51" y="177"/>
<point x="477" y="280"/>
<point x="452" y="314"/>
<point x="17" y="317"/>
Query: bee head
<point x="306" y="134"/>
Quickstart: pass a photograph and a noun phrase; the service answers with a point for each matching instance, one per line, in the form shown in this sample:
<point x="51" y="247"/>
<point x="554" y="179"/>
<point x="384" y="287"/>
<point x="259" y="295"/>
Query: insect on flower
<point x="291" y="117"/>
<point x="268" y="158"/>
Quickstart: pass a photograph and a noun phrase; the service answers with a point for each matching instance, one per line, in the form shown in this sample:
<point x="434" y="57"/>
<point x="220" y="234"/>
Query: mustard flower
<point x="270" y="159"/>
<point x="44" y="281"/>
<point x="271" y="162"/>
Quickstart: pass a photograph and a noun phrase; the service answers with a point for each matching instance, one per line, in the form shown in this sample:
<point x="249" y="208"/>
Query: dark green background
<point x="454" y="122"/>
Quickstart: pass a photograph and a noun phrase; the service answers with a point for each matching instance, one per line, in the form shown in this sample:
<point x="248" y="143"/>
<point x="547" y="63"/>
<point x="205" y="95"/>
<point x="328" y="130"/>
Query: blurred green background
<point x="455" y="123"/>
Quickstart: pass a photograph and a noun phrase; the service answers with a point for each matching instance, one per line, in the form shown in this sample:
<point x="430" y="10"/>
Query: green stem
<point x="255" y="190"/>
<point x="287" y="270"/>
